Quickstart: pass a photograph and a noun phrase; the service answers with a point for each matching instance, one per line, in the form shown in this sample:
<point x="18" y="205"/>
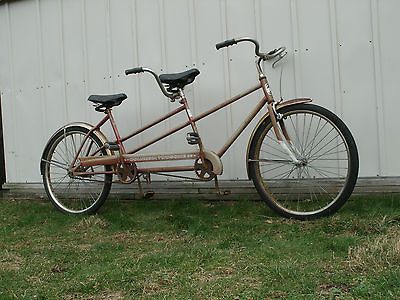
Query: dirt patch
<point x="90" y="222"/>
<point x="159" y="282"/>
<point x="378" y="254"/>
<point x="102" y="296"/>
<point x="10" y="261"/>
<point x="333" y="289"/>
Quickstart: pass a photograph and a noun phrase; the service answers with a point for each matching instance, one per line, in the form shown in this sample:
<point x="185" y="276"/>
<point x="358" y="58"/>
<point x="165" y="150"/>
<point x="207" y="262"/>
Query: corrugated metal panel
<point x="387" y="68"/>
<point x="54" y="53"/>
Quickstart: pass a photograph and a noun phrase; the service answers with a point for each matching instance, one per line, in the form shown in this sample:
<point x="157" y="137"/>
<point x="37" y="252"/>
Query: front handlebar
<point x="264" y="56"/>
<point x="226" y="43"/>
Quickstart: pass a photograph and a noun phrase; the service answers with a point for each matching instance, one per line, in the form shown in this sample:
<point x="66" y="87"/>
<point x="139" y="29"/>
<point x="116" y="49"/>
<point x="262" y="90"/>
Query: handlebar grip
<point x="272" y="52"/>
<point x="134" y="71"/>
<point x="226" y="43"/>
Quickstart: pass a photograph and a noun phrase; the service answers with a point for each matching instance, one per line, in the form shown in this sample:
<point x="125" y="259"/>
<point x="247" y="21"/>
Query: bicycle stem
<point x="284" y="141"/>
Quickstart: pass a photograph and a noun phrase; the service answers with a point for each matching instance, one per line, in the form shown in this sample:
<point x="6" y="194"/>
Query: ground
<point x="190" y="249"/>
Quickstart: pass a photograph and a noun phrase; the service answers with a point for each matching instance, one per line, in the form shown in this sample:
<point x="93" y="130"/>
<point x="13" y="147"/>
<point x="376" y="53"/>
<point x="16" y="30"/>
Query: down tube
<point x="242" y="127"/>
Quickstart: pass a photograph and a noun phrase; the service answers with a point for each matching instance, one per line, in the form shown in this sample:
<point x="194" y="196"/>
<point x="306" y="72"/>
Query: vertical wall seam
<point x="136" y="55"/>
<point x="227" y="74"/>
<point x="225" y="56"/>
<point x="379" y="92"/>
<point x="335" y="59"/>
<point x="193" y="46"/>
<point x="258" y="21"/>
<point x="230" y="110"/>
<point x="9" y="175"/>
<point x="163" y="34"/>
<point x="110" y="67"/>
<point x="164" y="60"/>
<point x="41" y="62"/>
<point x="258" y="25"/>
<point x="85" y="58"/>
<point x="296" y="45"/>
<point x="62" y="47"/>
<point x="85" y="47"/>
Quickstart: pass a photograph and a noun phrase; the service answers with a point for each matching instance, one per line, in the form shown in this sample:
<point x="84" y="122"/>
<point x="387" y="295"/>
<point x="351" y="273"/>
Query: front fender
<point x="88" y="126"/>
<point x="266" y="116"/>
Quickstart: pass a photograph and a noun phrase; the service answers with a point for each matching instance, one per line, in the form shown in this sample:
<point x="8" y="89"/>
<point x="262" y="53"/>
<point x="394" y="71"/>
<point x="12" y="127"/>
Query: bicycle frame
<point x="317" y="169"/>
<point x="130" y="156"/>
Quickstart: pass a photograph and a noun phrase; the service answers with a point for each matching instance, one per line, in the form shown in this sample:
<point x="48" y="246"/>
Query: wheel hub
<point x="303" y="162"/>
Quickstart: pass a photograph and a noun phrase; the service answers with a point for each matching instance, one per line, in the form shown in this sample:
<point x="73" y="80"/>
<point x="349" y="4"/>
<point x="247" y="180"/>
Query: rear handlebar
<point x="134" y="71"/>
<point x="157" y="78"/>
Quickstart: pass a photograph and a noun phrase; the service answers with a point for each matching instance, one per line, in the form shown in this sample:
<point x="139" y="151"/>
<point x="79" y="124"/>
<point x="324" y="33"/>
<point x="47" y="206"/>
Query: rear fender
<point x="265" y="117"/>
<point x="97" y="132"/>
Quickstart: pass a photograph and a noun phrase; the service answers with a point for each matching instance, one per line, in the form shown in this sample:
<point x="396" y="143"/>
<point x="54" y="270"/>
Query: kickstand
<point x="217" y="189"/>
<point x="217" y="186"/>
<point x="141" y="193"/>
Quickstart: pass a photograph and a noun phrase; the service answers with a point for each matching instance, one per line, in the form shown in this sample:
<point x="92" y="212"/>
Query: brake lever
<point x="281" y="56"/>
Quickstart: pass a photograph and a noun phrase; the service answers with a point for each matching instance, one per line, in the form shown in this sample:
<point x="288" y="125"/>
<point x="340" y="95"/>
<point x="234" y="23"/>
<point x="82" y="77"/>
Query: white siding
<point x="54" y="53"/>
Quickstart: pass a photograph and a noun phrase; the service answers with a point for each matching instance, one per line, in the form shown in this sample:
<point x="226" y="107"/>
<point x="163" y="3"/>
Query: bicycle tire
<point x="327" y="174"/>
<point x="74" y="195"/>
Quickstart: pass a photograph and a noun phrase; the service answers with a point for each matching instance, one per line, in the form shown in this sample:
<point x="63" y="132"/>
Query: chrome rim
<point x="74" y="194"/>
<point x="317" y="180"/>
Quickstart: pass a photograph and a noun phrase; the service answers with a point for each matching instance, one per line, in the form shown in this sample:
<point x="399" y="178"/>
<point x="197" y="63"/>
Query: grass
<point x="199" y="250"/>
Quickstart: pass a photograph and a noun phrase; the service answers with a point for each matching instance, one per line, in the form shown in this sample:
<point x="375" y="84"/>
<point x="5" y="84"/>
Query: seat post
<point x="189" y="114"/>
<point x="115" y="129"/>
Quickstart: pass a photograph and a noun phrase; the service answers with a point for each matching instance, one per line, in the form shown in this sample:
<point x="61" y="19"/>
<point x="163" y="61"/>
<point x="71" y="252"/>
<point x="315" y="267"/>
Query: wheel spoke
<point x="281" y="161"/>
<point x="56" y="164"/>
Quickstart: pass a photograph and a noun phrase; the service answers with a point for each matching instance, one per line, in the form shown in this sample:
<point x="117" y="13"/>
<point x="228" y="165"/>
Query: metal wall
<point x="54" y="53"/>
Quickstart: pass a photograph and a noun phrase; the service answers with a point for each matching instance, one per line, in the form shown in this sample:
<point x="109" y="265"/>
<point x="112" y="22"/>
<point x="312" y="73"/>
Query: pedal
<point x="112" y="146"/>
<point x="192" y="138"/>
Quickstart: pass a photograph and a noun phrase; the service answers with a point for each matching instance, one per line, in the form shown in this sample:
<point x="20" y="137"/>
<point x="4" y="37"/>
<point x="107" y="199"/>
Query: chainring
<point x="126" y="172"/>
<point x="204" y="170"/>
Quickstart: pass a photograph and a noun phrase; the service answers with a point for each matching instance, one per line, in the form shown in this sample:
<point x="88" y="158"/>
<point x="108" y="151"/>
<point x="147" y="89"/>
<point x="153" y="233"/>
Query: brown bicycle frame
<point x="125" y="156"/>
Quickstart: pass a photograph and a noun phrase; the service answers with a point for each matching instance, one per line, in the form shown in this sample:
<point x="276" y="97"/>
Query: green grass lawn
<point x="199" y="250"/>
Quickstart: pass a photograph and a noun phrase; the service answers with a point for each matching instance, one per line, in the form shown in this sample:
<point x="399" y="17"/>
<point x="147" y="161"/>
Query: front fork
<point x="278" y="125"/>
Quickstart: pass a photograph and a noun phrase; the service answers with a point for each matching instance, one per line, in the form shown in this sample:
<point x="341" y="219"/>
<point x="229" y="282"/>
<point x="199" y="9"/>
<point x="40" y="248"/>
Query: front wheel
<point x="325" y="173"/>
<point x="69" y="193"/>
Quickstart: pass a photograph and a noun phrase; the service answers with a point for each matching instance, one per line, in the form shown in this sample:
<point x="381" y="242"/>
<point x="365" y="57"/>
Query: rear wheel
<point x="69" y="193"/>
<point x="325" y="173"/>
